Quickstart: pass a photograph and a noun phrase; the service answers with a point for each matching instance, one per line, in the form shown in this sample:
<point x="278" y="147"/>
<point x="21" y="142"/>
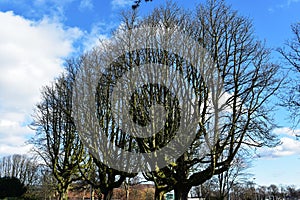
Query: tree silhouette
<point x="11" y="187"/>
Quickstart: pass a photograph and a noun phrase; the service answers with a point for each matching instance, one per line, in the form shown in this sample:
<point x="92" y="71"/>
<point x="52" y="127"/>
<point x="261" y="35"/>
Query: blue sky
<point x="37" y="35"/>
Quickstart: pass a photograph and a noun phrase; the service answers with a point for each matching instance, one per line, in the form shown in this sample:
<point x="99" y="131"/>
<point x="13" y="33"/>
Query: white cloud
<point x="286" y="131"/>
<point x="289" y="144"/>
<point x="13" y="136"/>
<point x="86" y="4"/>
<point x="121" y="3"/>
<point x="287" y="147"/>
<point x="31" y="55"/>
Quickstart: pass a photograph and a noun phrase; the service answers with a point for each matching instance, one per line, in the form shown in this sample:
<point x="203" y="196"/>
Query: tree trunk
<point x="63" y="193"/>
<point x="108" y="195"/>
<point x="181" y="192"/>
<point x="159" y="195"/>
<point x="92" y="193"/>
<point x="222" y="197"/>
<point x="127" y="193"/>
<point x="126" y="186"/>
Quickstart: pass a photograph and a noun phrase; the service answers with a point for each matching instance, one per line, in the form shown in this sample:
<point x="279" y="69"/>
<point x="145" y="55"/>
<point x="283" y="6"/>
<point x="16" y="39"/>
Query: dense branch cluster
<point x="291" y="54"/>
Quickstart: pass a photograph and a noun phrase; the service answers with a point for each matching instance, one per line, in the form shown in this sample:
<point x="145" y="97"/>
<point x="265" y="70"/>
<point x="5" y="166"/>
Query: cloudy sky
<point x="36" y="36"/>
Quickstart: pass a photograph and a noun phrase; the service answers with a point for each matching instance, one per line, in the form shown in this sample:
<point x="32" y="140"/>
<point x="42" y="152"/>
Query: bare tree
<point x="262" y="192"/>
<point x="25" y="168"/>
<point x="247" y="76"/>
<point x="57" y="141"/>
<point x="291" y="192"/>
<point x="93" y="171"/>
<point x="242" y="80"/>
<point x="291" y="53"/>
<point x="223" y="186"/>
<point x="235" y="174"/>
<point x="273" y="191"/>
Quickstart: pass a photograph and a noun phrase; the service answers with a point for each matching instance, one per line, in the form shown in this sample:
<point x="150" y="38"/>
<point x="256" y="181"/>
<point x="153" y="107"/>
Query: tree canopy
<point x="206" y="65"/>
<point x="232" y="92"/>
<point x="11" y="187"/>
